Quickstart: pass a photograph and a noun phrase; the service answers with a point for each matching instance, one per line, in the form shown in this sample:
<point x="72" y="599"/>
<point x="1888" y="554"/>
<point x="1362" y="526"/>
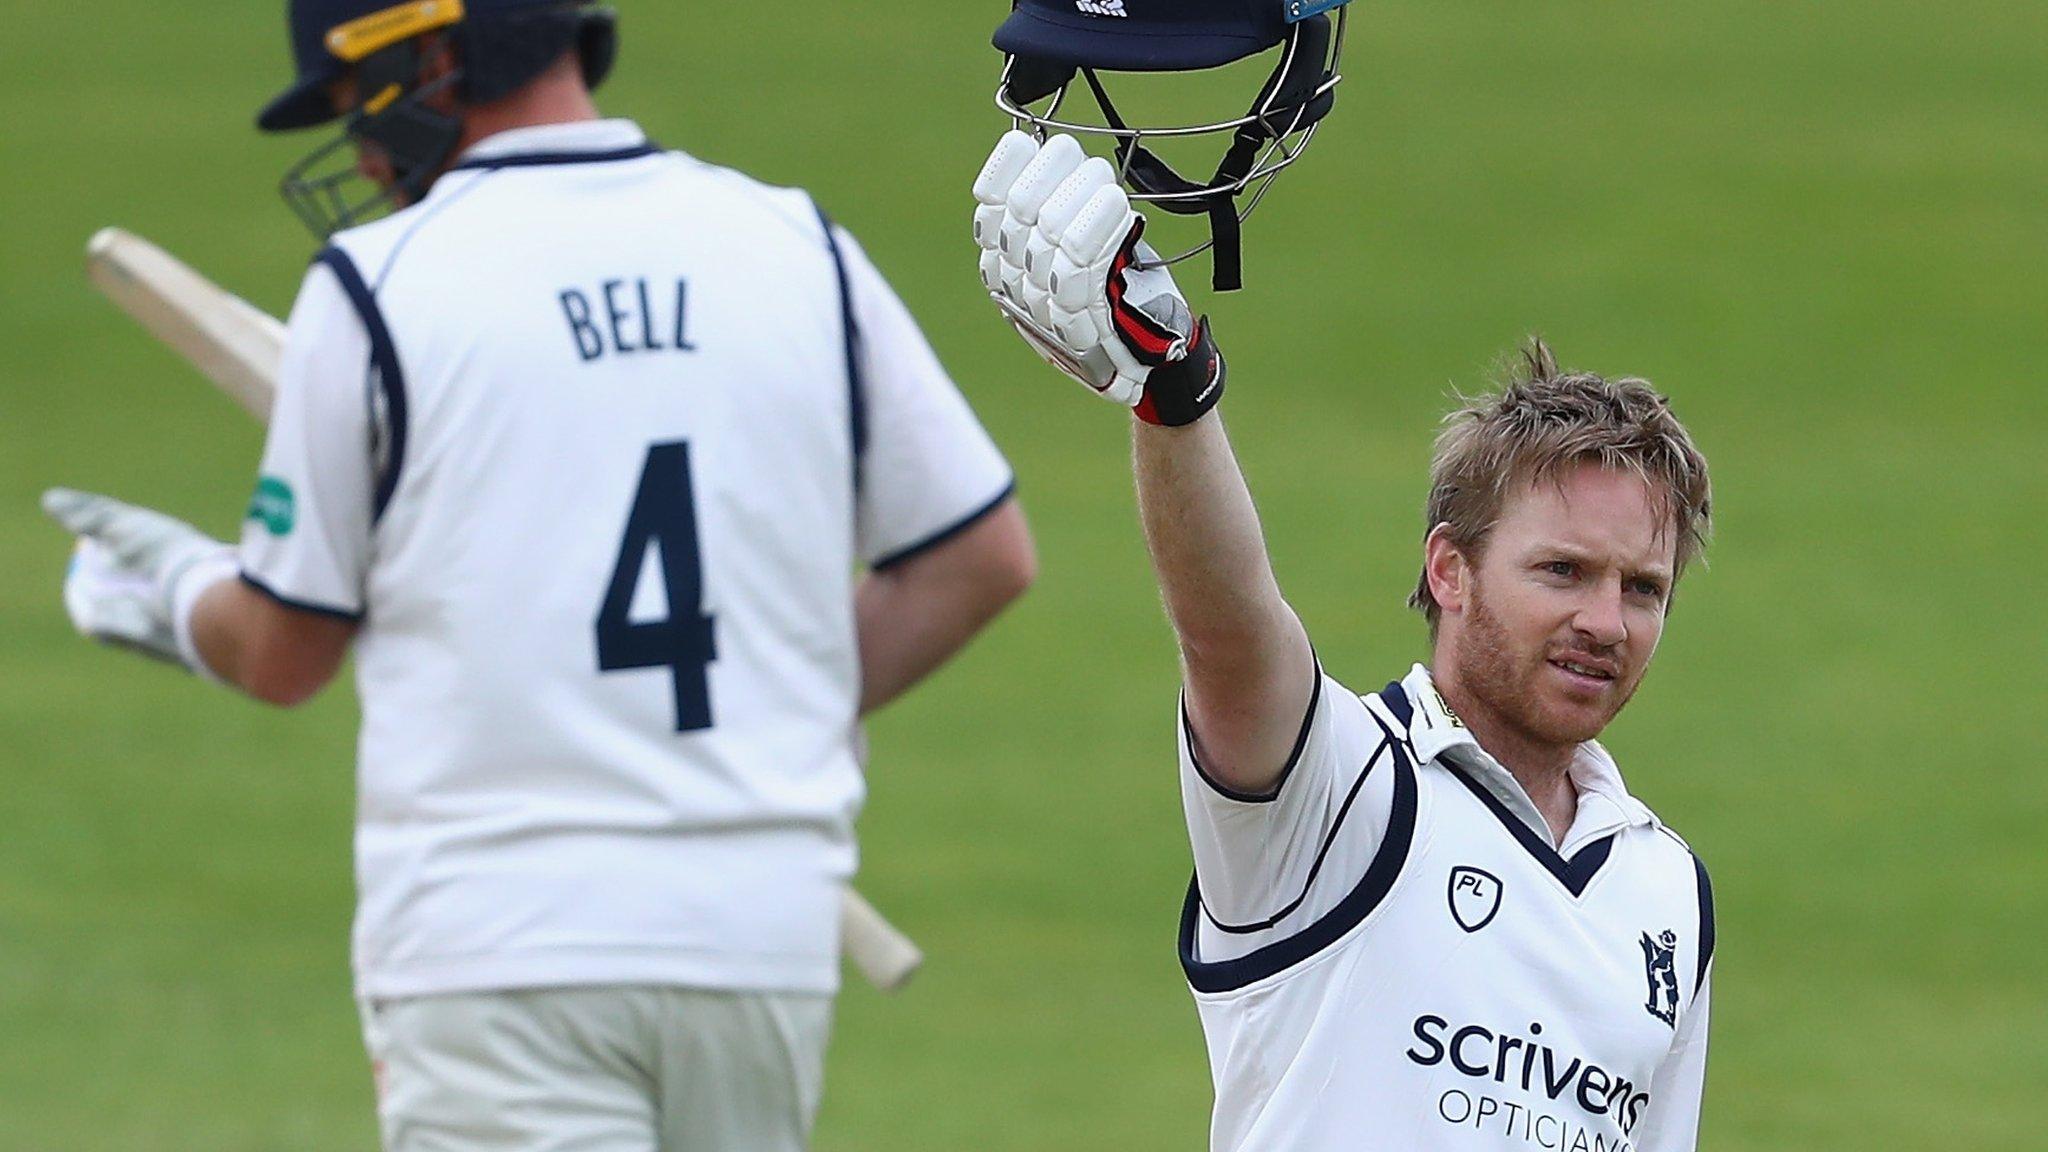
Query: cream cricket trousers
<point x="607" y="1069"/>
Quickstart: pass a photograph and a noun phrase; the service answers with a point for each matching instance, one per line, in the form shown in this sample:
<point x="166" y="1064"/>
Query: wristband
<point x="183" y="588"/>
<point x="1183" y="392"/>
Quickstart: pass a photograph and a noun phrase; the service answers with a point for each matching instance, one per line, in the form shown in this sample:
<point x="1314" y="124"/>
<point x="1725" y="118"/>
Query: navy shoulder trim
<point x="948" y="532"/>
<point x="1308" y="719"/>
<point x="387" y="377"/>
<point x="301" y="605"/>
<point x="1370" y="891"/>
<point x="1322" y="853"/>
<point x="1706" y="887"/>
<point x="849" y="327"/>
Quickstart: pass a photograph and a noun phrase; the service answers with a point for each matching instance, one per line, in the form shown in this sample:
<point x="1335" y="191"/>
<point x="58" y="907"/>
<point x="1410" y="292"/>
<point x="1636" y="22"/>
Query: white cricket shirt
<point x="1389" y="955"/>
<point x="592" y="441"/>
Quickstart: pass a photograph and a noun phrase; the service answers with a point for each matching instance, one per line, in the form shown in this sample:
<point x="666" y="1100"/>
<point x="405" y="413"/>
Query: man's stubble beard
<point x="1502" y="680"/>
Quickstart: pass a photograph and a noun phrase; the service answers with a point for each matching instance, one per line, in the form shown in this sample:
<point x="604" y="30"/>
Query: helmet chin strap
<point x="1148" y="174"/>
<point x="418" y="139"/>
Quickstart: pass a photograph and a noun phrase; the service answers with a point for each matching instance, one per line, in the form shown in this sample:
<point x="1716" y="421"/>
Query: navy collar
<point x="1574" y="872"/>
<point x="578" y="142"/>
<point x="1438" y="735"/>
<point x="1605" y="807"/>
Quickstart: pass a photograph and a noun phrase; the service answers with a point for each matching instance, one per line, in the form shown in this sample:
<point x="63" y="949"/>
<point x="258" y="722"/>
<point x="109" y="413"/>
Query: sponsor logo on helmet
<point x="1103" y="8"/>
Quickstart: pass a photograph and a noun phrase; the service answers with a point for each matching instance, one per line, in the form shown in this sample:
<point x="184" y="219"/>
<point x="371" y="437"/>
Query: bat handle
<point x="884" y="955"/>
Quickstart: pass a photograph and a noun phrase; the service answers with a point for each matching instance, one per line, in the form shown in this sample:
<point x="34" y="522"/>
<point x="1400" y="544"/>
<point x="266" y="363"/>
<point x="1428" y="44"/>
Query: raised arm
<point x="1245" y="658"/>
<point x="1063" y="257"/>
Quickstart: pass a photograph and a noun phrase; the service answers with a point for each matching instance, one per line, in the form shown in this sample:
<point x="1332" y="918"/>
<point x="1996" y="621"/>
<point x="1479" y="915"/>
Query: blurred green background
<point x="1821" y="227"/>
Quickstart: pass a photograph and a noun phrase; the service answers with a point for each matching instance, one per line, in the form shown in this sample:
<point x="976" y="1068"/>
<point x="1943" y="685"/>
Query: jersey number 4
<point x="664" y="519"/>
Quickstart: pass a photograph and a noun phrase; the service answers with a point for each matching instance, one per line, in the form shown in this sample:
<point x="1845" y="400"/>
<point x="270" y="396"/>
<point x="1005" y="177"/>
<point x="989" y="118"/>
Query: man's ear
<point x="1448" y="572"/>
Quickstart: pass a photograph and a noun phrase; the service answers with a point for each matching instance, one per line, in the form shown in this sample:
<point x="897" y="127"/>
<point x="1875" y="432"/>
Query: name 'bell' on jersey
<point x="1389" y="956"/>
<point x="629" y="425"/>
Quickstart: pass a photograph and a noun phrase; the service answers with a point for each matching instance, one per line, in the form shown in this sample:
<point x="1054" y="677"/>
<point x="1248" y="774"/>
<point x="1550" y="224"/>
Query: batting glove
<point x="1063" y="257"/>
<point x="136" y="574"/>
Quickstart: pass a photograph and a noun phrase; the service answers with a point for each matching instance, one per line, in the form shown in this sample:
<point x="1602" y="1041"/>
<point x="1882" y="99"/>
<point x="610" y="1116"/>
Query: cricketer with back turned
<point x="579" y="451"/>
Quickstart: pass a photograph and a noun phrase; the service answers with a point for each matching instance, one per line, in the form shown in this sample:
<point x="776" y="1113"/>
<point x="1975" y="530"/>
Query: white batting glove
<point x="135" y="574"/>
<point x="1062" y="256"/>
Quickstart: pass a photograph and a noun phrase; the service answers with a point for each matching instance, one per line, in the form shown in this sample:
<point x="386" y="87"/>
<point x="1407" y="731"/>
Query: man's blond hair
<point x="1541" y="423"/>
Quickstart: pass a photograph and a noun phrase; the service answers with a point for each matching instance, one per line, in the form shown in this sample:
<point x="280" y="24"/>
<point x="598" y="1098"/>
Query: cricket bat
<point x="238" y="346"/>
<point x="234" y="343"/>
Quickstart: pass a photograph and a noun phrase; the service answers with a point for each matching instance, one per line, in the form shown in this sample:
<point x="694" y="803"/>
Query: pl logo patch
<point x="1103" y="8"/>
<point x="1474" y="896"/>
<point x="1662" y="975"/>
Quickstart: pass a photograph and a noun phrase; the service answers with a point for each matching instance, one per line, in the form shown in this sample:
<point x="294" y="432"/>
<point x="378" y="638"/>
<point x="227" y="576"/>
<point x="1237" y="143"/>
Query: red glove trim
<point x="1145" y="336"/>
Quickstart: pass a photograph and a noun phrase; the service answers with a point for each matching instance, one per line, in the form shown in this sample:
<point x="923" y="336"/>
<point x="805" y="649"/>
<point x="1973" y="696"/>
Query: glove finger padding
<point x="1017" y="185"/>
<point x="1085" y="272"/>
<point x="1056" y="160"/>
<point x="992" y="270"/>
<point x="988" y="226"/>
<point x="81" y="513"/>
<point x="136" y="537"/>
<point x="111" y="603"/>
<point x="136" y="573"/>
<point x="1023" y="245"/>
<point x="1073" y="195"/>
<point x="1098" y="229"/>
<point x="1012" y="154"/>
<point x="1067" y="265"/>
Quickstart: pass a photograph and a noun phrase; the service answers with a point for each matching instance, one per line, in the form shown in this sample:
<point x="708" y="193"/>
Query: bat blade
<point x="234" y="343"/>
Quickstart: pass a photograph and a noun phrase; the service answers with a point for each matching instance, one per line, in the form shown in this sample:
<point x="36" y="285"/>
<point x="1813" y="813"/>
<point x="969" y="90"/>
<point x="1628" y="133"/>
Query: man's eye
<point x="1560" y="567"/>
<point x="1650" y="588"/>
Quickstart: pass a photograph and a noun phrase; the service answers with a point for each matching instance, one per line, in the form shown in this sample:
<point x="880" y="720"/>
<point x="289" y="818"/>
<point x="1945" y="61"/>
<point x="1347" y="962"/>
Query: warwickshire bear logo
<point x="1662" y="975"/>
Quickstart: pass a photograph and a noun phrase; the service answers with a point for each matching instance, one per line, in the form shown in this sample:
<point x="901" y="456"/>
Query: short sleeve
<point x="306" y="541"/>
<point x="1267" y="867"/>
<point x="928" y="468"/>
<point x="1671" y="1122"/>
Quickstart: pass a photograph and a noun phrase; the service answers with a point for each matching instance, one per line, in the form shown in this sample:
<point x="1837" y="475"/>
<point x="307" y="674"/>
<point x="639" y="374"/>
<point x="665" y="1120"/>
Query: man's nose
<point x="1599" y="617"/>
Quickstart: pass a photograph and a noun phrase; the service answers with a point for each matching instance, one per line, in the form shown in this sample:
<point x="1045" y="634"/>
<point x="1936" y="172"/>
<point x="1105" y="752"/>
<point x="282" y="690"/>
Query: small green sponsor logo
<point x="274" y="506"/>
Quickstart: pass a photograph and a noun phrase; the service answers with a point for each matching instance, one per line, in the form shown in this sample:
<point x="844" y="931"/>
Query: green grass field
<point x="1820" y="227"/>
